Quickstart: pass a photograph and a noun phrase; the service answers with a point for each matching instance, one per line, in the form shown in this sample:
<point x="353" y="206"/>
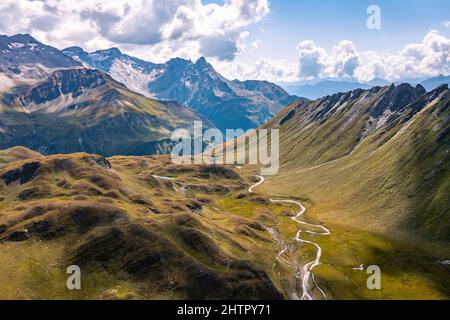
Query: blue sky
<point x="328" y="22"/>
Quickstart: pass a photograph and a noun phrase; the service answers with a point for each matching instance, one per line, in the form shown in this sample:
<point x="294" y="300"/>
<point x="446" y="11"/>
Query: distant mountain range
<point x="228" y="104"/>
<point x="319" y="89"/>
<point x="433" y="83"/>
<point x="25" y="60"/>
<point x="52" y="104"/>
<point x="23" y="49"/>
<point x="102" y="102"/>
<point x="324" y="88"/>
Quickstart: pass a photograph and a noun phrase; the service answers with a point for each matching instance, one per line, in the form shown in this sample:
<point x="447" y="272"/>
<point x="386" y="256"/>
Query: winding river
<point x="303" y="274"/>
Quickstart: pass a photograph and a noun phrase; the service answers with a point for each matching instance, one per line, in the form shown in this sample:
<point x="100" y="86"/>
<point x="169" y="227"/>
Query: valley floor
<point x="410" y="269"/>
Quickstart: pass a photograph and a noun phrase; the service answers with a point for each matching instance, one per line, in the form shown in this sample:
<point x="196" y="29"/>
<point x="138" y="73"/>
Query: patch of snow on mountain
<point x="383" y="119"/>
<point x="132" y="78"/>
<point x="6" y="82"/>
<point x="218" y="93"/>
<point x="98" y="56"/>
<point x="62" y="102"/>
<point x="31" y="73"/>
<point x="84" y="63"/>
<point x="155" y="74"/>
<point x="16" y="45"/>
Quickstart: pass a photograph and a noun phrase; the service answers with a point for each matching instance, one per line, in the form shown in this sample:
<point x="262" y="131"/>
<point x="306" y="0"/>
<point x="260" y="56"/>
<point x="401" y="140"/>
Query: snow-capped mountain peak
<point x="197" y="85"/>
<point x="22" y="49"/>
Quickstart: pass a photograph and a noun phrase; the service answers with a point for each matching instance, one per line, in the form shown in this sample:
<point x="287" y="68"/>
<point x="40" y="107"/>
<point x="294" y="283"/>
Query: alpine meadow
<point x="224" y="150"/>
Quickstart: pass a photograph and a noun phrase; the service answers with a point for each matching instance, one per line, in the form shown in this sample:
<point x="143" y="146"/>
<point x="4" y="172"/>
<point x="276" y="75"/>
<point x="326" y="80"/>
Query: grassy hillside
<point x="143" y="228"/>
<point x="16" y="154"/>
<point x="373" y="167"/>
<point x="134" y="232"/>
<point x="388" y="175"/>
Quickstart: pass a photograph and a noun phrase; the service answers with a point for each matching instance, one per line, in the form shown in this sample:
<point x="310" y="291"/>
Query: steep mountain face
<point x="104" y="60"/>
<point x="23" y="59"/>
<point x="85" y="110"/>
<point x="133" y="72"/>
<point x="228" y="104"/>
<point x="332" y="127"/>
<point x="23" y="49"/>
<point x="373" y="159"/>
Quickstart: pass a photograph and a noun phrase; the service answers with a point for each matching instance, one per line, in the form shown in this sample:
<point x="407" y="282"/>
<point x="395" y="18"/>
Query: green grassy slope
<point x="134" y="235"/>
<point x="199" y="236"/>
<point x="16" y="154"/>
<point x="379" y="183"/>
<point x="393" y="178"/>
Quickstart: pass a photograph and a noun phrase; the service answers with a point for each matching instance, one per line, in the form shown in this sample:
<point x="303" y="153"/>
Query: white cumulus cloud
<point x="430" y="57"/>
<point x="263" y="69"/>
<point x="315" y="62"/>
<point x="166" y="27"/>
<point x="312" y="60"/>
<point x="427" y="58"/>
